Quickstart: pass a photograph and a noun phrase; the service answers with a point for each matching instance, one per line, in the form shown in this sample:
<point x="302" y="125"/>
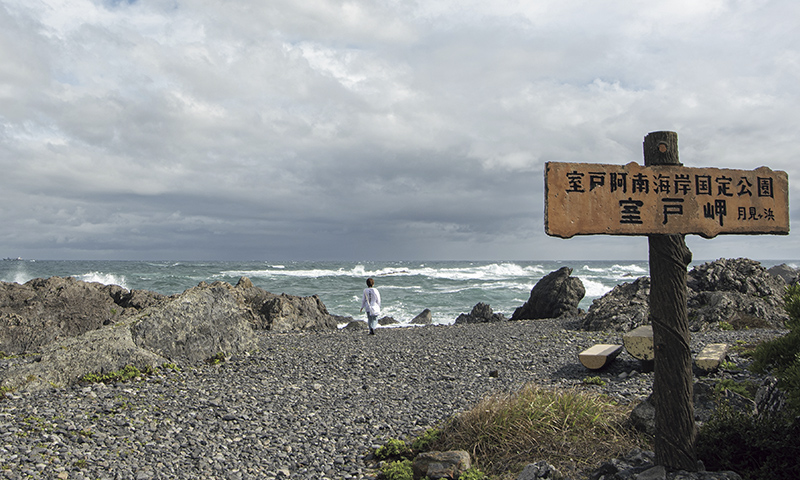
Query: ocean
<point x="448" y="289"/>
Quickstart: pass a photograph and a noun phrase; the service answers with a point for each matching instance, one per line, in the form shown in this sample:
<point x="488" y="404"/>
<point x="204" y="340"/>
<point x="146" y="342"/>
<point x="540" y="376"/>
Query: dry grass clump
<point x="570" y="429"/>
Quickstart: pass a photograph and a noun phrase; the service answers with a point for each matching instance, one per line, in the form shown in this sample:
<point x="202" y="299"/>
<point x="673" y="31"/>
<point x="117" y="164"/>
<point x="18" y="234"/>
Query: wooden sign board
<point x="590" y="199"/>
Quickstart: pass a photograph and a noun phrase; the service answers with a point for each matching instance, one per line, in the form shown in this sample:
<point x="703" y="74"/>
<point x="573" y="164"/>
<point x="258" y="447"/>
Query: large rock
<point x="555" y="295"/>
<point x="65" y="361"/>
<point x="481" y="313"/>
<point x="286" y="313"/>
<point x="624" y="308"/>
<point x="738" y="291"/>
<point x="43" y="310"/>
<point x="786" y="273"/>
<point x="424" y="318"/>
<point x="197" y="324"/>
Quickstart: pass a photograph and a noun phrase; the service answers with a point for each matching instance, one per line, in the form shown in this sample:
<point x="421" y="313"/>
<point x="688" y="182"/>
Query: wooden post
<point x="672" y="382"/>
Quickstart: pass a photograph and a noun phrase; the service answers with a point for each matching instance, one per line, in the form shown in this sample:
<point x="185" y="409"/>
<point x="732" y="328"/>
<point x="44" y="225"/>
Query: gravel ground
<point x="305" y="406"/>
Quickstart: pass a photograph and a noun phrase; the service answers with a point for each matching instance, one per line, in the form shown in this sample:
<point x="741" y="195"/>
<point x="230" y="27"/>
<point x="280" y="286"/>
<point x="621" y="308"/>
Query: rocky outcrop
<point x="65" y="361"/>
<point x="738" y="291"/>
<point x="556" y="295"/>
<point x="786" y="273"/>
<point x="287" y="313"/>
<point x="481" y="313"/>
<point x="43" y="310"/>
<point x="624" y="308"/>
<point x="194" y="326"/>
<point x="424" y="318"/>
<point x="197" y="324"/>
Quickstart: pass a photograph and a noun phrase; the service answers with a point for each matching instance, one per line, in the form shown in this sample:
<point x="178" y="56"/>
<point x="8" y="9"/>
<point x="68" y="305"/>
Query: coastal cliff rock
<point x="43" y="310"/>
<point x="786" y="273"/>
<point x="187" y="328"/>
<point x="286" y="313"/>
<point x="196" y="324"/>
<point x="738" y="291"/>
<point x="481" y="313"/>
<point x="556" y="295"/>
<point x="624" y="308"/>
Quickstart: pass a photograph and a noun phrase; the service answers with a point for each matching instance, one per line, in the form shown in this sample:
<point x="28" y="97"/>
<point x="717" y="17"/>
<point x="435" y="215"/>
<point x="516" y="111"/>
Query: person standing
<point x="371" y="301"/>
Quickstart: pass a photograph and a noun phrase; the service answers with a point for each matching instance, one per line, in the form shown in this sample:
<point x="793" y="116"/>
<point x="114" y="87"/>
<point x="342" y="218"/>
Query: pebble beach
<point x="305" y="406"/>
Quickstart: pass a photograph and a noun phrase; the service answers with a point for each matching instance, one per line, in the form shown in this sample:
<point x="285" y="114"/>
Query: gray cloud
<point x="385" y="130"/>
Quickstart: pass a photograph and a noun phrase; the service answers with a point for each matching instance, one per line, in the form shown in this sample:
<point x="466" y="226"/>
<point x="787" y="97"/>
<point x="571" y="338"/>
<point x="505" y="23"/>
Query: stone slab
<point x="589" y="199"/>
<point x="711" y="356"/>
<point x="639" y="343"/>
<point x="599" y="356"/>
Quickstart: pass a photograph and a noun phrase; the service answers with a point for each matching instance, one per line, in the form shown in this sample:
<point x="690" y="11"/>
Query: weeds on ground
<point x="567" y="428"/>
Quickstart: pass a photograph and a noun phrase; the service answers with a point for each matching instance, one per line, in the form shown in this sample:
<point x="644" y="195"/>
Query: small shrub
<point x="393" y="448"/>
<point x="423" y="442"/>
<point x="757" y="448"/>
<point x="594" y="381"/>
<point x="399" y="470"/>
<point x="472" y="474"/>
<point x="729" y="366"/>
<point x="127" y="373"/>
<point x="791" y="299"/>
<point x="216" y="359"/>
<point x="723" y="325"/>
<point x="746" y="389"/>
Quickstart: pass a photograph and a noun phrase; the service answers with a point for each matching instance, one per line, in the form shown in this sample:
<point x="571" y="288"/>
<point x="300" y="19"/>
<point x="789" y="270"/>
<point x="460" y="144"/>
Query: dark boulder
<point x="624" y="308"/>
<point x="424" y="318"/>
<point x="386" y="321"/>
<point x="481" y="313"/>
<point x="555" y="295"/>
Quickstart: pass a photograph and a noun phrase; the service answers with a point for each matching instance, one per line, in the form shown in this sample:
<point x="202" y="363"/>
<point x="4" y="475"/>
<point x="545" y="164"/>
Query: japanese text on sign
<point x="585" y="199"/>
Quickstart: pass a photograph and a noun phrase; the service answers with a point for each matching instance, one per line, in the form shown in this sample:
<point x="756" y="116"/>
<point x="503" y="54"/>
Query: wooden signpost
<point x="666" y="201"/>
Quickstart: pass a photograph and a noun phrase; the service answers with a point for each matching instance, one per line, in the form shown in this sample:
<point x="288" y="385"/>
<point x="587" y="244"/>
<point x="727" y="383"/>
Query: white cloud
<point x="296" y="126"/>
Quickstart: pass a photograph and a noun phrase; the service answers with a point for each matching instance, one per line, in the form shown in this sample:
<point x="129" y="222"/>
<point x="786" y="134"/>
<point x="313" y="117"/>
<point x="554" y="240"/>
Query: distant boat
<point x="9" y="259"/>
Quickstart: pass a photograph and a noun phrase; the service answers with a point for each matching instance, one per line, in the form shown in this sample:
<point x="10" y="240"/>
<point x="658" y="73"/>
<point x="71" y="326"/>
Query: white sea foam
<point x="104" y="278"/>
<point x="595" y="289"/>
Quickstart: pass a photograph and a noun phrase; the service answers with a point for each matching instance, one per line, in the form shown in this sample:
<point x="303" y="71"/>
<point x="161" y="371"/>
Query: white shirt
<point x="371" y="301"/>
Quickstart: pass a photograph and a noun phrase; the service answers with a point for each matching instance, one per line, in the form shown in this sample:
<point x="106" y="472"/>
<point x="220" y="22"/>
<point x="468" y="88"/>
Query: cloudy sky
<point x="359" y="130"/>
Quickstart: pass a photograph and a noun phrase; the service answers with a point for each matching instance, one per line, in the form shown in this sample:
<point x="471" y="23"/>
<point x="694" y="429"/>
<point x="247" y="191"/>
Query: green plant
<point x="791" y="299"/>
<point x="723" y="325"/>
<point x="757" y="448"/>
<point x="472" y="474"/>
<point x="393" y="448"/>
<point x="399" y="470"/>
<point x="781" y="356"/>
<point x="728" y="365"/>
<point x="594" y="381"/>
<point x="746" y="389"/>
<point x="128" y="373"/>
<point x="216" y="359"/>
<point x="423" y="442"/>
